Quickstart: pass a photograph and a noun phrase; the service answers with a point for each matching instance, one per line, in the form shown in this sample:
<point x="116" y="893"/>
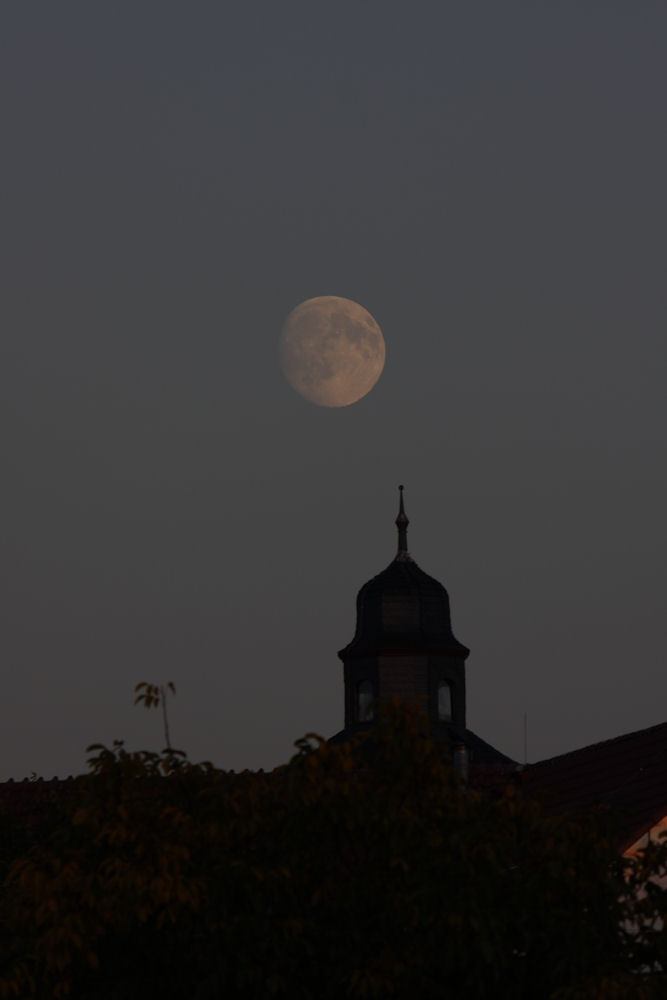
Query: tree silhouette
<point x="360" y="870"/>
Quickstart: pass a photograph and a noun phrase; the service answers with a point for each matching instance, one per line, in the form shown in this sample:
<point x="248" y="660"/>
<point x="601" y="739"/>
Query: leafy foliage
<point x="362" y="870"/>
<point x="154" y="696"/>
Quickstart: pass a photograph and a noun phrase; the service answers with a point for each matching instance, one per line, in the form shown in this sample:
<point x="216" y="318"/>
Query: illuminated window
<point x="444" y="701"/>
<point x="364" y="701"/>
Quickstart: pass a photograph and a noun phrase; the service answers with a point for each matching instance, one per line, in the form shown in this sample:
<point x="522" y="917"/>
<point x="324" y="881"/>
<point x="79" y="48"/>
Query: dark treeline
<point x="346" y="873"/>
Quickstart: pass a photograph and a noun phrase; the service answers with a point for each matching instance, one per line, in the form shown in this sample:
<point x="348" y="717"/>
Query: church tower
<point x="404" y="645"/>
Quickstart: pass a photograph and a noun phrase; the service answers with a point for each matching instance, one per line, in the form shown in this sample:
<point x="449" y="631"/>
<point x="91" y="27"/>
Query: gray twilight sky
<point x="488" y="180"/>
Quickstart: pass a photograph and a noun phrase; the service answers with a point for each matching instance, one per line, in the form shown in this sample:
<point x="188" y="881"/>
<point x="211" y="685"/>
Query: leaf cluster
<point x="361" y="870"/>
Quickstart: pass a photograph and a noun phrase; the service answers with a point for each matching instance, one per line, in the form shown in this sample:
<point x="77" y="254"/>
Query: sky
<point x="488" y="181"/>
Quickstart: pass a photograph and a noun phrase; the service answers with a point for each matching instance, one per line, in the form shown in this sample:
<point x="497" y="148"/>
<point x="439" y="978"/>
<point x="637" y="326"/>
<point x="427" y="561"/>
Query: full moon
<point x="331" y="350"/>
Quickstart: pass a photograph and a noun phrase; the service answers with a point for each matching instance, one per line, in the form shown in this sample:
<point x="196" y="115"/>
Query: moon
<point x="331" y="350"/>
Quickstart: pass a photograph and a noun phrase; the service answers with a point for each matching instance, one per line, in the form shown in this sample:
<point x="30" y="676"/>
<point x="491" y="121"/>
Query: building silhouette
<point x="404" y="646"/>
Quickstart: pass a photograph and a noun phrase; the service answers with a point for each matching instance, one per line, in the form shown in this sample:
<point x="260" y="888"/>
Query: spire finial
<point x="402" y="525"/>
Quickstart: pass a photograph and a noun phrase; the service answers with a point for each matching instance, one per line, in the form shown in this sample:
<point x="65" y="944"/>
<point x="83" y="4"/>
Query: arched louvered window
<point x="444" y="701"/>
<point x="364" y="701"/>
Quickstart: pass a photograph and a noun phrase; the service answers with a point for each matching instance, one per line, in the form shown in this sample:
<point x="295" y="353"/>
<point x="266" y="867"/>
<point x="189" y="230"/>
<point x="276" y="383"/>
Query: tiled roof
<point x="484" y="754"/>
<point x="28" y="799"/>
<point x="627" y="775"/>
<point x="492" y="779"/>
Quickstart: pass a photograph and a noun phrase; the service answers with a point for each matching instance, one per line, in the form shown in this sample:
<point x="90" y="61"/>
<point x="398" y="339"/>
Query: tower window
<point x="444" y="701"/>
<point x="364" y="701"/>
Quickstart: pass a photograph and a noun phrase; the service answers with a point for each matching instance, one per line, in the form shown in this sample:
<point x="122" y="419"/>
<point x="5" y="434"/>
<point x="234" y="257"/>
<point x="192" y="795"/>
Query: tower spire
<point x="402" y="525"/>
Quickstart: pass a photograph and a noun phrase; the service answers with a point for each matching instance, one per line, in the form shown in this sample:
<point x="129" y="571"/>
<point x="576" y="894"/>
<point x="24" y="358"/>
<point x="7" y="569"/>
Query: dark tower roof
<point x="403" y="608"/>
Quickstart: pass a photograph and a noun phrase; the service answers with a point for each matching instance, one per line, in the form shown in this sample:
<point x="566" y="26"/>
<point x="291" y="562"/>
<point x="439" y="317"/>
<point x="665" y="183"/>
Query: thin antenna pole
<point x="525" y="737"/>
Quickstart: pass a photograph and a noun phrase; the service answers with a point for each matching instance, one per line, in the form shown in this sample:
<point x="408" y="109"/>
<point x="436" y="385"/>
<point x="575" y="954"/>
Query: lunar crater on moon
<point x="331" y="350"/>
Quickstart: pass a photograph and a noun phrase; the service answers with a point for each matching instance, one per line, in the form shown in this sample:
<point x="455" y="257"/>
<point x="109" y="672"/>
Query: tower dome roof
<point x="403" y="608"/>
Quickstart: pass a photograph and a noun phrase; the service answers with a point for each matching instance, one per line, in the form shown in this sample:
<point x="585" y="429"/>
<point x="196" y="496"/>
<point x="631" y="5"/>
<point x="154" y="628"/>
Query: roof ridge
<point x="593" y="746"/>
